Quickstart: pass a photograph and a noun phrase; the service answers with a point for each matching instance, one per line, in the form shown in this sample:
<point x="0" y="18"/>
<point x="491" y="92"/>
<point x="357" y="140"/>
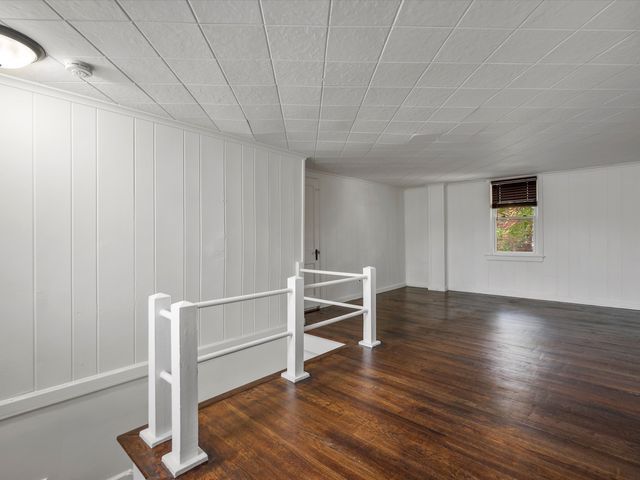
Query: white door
<point x="311" y="236"/>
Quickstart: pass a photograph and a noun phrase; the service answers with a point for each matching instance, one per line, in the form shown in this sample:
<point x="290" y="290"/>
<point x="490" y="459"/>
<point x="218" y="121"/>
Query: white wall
<point x="591" y="229"/>
<point x="101" y="207"/>
<point x="416" y="234"/>
<point x="361" y="223"/>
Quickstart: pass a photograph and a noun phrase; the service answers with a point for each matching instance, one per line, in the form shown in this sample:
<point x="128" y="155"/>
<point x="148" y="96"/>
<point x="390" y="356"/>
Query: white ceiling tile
<point x="26" y="10"/>
<point x="158" y="10"/>
<point x="168" y="93"/>
<point x="348" y="73"/>
<point x="427" y="97"/>
<point x="81" y="88"/>
<point x="367" y="112"/>
<point x="409" y="44"/>
<point x="181" y="111"/>
<point x="330" y="112"/>
<point x="234" y="126"/>
<point x="125" y="93"/>
<point x="588" y="76"/>
<point x="471" y="45"/>
<point x="584" y="45"/>
<point x="451" y="114"/>
<point x="385" y="96"/>
<point x="552" y="98"/>
<point x="470" y="97"/>
<point x="628" y="79"/>
<point x="152" y="108"/>
<point x="629" y="99"/>
<point x="369" y="126"/>
<point x="435" y="128"/>
<point x="224" y="112"/>
<point x="388" y="138"/>
<point x="360" y="137"/>
<point x="343" y="95"/>
<point x="300" y="136"/>
<point x="331" y="136"/>
<point x="542" y="76"/>
<point x="58" y="38"/>
<point x="146" y="70"/>
<point x="260" y="127"/>
<point x="497" y="13"/>
<point x="213" y="94"/>
<point x="488" y="114"/>
<point x="248" y="72"/>
<point x="227" y="11"/>
<point x="298" y="73"/>
<point x="103" y="70"/>
<point x="334" y="125"/>
<point x="626" y="52"/>
<point x="116" y="39"/>
<point x="46" y="70"/>
<point x="300" y="95"/>
<point x="301" y="112"/>
<point x="275" y="139"/>
<point x="432" y="13"/>
<point x="262" y="112"/>
<point x="300" y="125"/>
<point x="492" y="75"/>
<point x="237" y="42"/>
<point x="363" y="12"/>
<point x="524" y="114"/>
<point x="103" y="10"/>
<point x="297" y="43"/>
<point x="402" y="127"/>
<point x="528" y="46"/>
<point x="256" y="94"/>
<point x="564" y="13"/>
<point x="446" y="74"/>
<point x="624" y="14"/>
<point x="203" y="71"/>
<point x="413" y="114"/>
<point x="358" y="44"/>
<point x="593" y="98"/>
<point x="296" y="12"/>
<point x="302" y="147"/>
<point x="176" y="40"/>
<point x="468" y="128"/>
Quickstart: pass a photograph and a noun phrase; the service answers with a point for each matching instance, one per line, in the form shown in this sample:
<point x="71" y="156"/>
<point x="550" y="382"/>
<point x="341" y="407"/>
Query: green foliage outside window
<point x="514" y="229"/>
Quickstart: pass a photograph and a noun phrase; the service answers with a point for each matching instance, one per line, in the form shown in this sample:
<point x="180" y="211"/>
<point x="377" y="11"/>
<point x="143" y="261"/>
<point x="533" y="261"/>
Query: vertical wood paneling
<point x="84" y="240"/>
<point x="275" y="244"/>
<point x="212" y="213"/>
<point x="286" y="226"/>
<point x="262" y="238"/>
<point x="297" y="181"/>
<point x="192" y="216"/>
<point x="233" y="244"/>
<point x="115" y="241"/>
<point x="169" y="200"/>
<point x="144" y="232"/>
<point x="16" y="242"/>
<point x="248" y="237"/>
<point x="630" y="233"/>
<point x="614" y="254"/>
<point x="52" y="160"/>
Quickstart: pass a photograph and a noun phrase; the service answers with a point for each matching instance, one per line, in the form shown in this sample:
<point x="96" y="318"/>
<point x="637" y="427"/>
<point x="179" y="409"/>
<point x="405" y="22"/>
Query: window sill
<point x="514" y="257"/>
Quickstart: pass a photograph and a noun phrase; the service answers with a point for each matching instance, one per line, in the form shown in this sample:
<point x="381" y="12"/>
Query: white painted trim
<point x="35" y="87"/>
<point x="28" y="402"/>
<point x="551" y="298"/>
<point x="513" y="257"/>
<point x="127" y="474"/>
<point x="418" y="284"/>
<point x="312" y="172"/>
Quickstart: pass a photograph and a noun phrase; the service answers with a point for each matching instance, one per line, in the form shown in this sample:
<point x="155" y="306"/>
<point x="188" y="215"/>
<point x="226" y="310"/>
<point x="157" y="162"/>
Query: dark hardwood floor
<point x="464" y="386"/>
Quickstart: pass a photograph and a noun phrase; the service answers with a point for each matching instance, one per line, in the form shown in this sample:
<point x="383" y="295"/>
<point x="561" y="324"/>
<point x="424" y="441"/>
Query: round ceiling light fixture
<point x="18" y="50"/>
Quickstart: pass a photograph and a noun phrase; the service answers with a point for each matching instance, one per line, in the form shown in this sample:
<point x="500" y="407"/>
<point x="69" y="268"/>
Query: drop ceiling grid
<point x="532" y="74"/>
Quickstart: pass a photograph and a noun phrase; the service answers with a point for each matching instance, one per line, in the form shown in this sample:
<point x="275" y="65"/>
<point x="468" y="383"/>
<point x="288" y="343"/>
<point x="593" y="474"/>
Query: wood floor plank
<point x="464" y="386"/>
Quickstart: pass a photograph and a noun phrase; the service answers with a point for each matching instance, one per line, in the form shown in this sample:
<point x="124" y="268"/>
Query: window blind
<point x="514" y="192"/>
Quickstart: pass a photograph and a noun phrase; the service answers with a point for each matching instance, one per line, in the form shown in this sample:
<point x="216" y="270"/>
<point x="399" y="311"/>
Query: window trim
<point x="537" y="255"/>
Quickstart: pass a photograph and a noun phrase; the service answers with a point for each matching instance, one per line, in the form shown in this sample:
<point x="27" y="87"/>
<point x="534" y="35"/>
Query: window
<point x="514" y="217"/>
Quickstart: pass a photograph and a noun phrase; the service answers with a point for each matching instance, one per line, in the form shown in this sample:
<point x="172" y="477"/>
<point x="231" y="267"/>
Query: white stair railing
<point x="173" y="357"/>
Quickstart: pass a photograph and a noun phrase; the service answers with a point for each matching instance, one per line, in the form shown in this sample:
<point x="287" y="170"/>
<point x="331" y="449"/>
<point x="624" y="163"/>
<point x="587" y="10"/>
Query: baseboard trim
<point x="417" y="285"/>
<point x="128" y="474"/>
<point x="31" y="401"/>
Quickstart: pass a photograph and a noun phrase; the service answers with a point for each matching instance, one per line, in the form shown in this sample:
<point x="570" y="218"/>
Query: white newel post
<point x="295" y="325"/>
<point x="369" y="303"/>
<point x="159" y="428"/>
<point x="185" y="453"/>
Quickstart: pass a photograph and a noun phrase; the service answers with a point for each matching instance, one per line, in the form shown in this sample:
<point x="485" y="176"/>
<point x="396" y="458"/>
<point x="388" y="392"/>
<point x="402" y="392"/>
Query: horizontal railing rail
<point x="173" y="356"/>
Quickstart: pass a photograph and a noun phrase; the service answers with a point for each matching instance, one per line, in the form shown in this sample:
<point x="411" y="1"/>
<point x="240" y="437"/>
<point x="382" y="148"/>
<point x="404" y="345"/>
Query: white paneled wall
<point x="101" y="208"/>
<point x="591" y="230"/>
<point x="416" y="236"/>
<point x="361" y="223"/>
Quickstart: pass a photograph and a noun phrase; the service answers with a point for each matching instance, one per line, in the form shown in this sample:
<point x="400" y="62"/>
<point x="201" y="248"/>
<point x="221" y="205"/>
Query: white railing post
<point x="159" y="428"/>
<point x="185" y="453"/>
<point x="369" y="303"/>
<point x="295" y="326"/>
